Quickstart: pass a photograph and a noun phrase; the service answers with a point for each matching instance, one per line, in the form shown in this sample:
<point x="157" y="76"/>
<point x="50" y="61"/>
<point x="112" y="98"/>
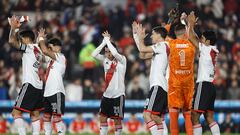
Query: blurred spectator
<point x="4" y="125"/>
<point x="133" y="125"/>
<point x="228" y="126"/>
<point x="87" y="61"/>
<point x="134" y="89"/>
<point x="234" y="91"/>
<point x="78" y="125"/>
<point x="88" y="90"/>
<point x="94" y="124"/>
<point x="74" y="90"/>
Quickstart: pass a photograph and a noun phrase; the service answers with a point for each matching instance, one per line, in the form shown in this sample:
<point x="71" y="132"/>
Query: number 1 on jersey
<point x="182" y="57"/>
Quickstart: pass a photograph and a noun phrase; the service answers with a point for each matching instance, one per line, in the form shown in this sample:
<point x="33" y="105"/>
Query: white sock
<point x="20" y="126"/>
<point x="214" y="128"/>
<point x="60" y="128"/>
<point x="103" y="128"/>
<point x="197" y="129"/>
<point x="153" y="128"/>
<point x="165" y="129"/>
<point x="160" y="128"/>
<point x="36" y="127"/>
<point x="47" y="128"/>
<point x="118" y="130"/>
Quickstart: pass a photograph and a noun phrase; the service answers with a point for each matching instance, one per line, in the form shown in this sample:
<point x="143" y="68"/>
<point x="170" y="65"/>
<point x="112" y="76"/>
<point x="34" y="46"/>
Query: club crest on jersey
<point x="36" y="64"/>
<point x="182" y="46"/>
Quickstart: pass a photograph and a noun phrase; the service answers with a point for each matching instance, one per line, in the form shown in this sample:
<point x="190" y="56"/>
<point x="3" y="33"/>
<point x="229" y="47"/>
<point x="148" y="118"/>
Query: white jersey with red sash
<point x="114" y="70"/>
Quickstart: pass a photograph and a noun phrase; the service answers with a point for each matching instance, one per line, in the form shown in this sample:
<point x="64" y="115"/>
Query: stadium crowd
<point x="79" y="23"/>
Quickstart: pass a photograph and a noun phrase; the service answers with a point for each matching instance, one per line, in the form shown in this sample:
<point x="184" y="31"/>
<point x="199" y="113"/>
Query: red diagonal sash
<point x="109" y="74"/>
<point x="48" y="69"/>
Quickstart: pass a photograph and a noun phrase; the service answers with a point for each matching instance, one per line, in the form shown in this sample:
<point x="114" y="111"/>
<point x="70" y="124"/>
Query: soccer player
<point x="31" y="94"/>
<point x="181" y="79"/>
<point x="205" y="93"/>
<point x="54" y="92"/>
<point x="112" y="103"/>
<point x="156" y="102"/>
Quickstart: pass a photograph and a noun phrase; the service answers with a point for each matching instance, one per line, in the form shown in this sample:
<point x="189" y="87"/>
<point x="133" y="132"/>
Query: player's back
<point x="181" y="61"/>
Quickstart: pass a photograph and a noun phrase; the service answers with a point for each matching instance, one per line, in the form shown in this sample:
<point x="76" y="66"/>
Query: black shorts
<point x="29" y="99"/>
<point x="55" y="104"/>
<point x="113" y="107"/>
<point x="204" y="97"/>
<point x="156" y="102"/>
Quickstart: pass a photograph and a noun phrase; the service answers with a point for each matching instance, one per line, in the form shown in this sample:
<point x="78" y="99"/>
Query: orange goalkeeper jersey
<point x="181" y="61"/>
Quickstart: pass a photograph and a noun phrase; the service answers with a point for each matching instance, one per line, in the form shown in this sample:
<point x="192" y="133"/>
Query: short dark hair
<point x="161" y="30"/>
<point x="27" y="34"/>
<point x="211" y="36"/>
<point x="179" y="27"/>
<point x="55" y="42"/>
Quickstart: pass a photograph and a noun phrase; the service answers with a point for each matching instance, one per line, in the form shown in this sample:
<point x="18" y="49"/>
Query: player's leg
<point x="213" y="125"/>
<point x="37" y="94"/>
<point x="188" y="121"/>
<point x="103" y="124"/>
<point x="47" y="124"/>
<point x="197" y="109"/>
<point x="188" y="96"/>
<point x="165" y="128"/>
<point x="35" y="118"/>
<point x="118" y="126"/>
<point x="158" y="121"/>
<point x="104" y="110"/>
<point x="152" y="109"/>
<point x="22" y="105"/>
<point x="47" y="117"/>
<point x="118" y="113"/>
<point x="197" y="127"/>
<point x="173" y="115"/>
<point x="164" y="110"/>
<point x="57" y="102"/>
<point x="175" y="102"/>
<point x="19" y="122"/>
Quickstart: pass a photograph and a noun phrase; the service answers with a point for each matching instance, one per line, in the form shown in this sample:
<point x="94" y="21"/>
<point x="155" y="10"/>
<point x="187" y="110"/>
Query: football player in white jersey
<point x="156" y="102"/>
<point x="205" y="93"/>
<point x="54" y="92"/>
<point x="30" y="98"/>
<point x="113" y="100"/>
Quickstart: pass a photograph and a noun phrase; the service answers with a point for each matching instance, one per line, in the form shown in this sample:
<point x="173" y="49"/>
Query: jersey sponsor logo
<point x="36" y="64"/>
<point x="182" y="72"/>
<point x="182" y="45"/>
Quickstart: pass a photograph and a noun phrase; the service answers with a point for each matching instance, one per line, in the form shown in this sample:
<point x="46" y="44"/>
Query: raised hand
<point x="192" y="19"/>
<point x="106" y="34"/>
<point x="14" y="22"/>
<point x="134" y="27"/>
<point x="41" y="33"/>
<point x="140" y="31"/>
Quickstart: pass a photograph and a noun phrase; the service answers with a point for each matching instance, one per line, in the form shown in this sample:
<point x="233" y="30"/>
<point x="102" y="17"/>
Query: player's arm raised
<point x="112" y="49"/>
<point x="42" y="44"/>
<point x="136" y="39"/>
<point x="15" y="24"/>
<point x="141" y="35"/>
<point x="96" y="53"/>
<point x="193" y="38"/>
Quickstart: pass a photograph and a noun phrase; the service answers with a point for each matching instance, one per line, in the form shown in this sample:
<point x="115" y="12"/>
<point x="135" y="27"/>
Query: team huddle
<point x="171" y="78"/>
